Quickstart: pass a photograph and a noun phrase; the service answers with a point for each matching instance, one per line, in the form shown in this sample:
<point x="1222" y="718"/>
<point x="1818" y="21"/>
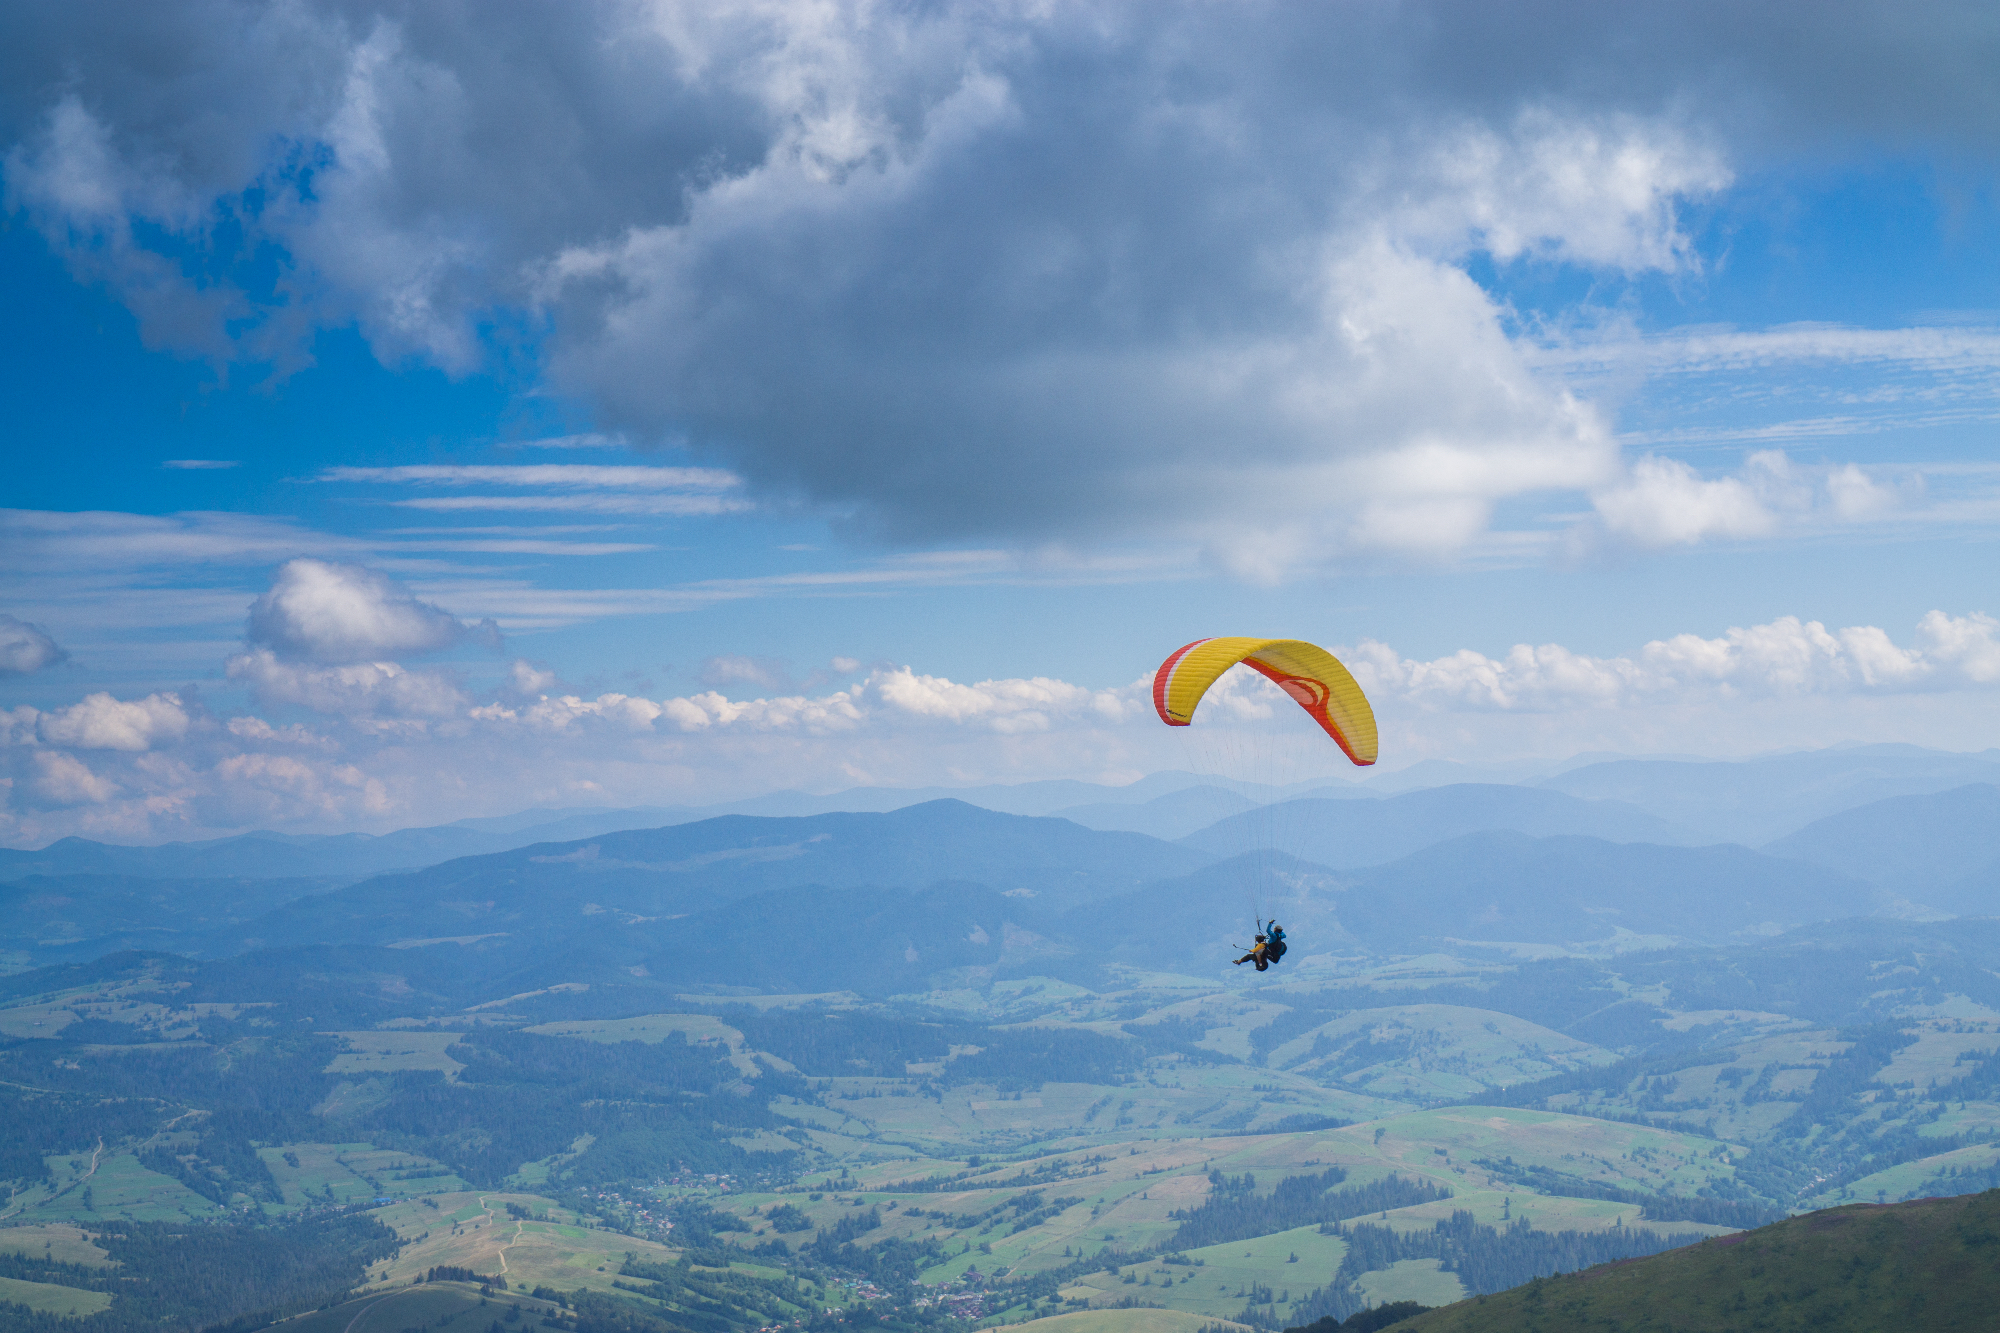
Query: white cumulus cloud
<point x="377" y="745"/>
<point x="101" y="722"/>
<point x="1664" y="503"/>
<point x="321" y="612"/>
<point x="1787" y="656"/>
<point x="63" y="779"/>
<point x="354" y="689"/>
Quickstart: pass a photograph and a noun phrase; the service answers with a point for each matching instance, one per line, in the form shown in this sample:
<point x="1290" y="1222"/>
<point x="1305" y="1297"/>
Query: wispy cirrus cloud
<point x="572" y="476"/>
<point x="684" y="492"/>
<point x="1707" y="351"/>
<point x="585" y="440"/>
<point x="599" y="502"/>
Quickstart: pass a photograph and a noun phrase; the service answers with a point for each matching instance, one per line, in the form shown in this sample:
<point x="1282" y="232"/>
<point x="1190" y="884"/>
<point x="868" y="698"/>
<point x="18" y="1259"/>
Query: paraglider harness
<point x="1270" y="947"/>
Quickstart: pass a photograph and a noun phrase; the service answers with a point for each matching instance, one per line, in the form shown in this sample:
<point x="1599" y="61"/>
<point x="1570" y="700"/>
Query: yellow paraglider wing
<point x="1313" y="677"/>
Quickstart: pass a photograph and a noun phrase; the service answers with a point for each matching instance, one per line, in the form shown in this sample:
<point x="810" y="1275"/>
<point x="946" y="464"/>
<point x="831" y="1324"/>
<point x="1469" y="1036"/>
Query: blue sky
<point x="662" y="405"/>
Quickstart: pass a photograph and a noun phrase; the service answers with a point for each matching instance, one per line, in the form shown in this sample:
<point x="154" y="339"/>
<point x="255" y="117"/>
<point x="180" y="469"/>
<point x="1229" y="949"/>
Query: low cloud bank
<point x="380" y="745"/>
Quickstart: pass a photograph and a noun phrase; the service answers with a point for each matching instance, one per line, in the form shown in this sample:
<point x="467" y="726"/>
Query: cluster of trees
<point x="1023" y="1060"/>
<point x="36" y="1124"/>
<point x="1028" y="1209"/>
<point x="648" y="1107"/>
<point x="786" y="1218"/>
<point x="837" y="1045"/>
<point x="715" y="1302"/>
<point x="1176" y="1036"/>
<point x="1705" y="1209"/>
<point x="1367" y="1321"/>
<point x="593" y="1069"/>
<point x="1235" y="1211"/>
<point x="1060" y="1169"/>
<point x="824" y="1045"/>
<point x="1487" y="1259"/>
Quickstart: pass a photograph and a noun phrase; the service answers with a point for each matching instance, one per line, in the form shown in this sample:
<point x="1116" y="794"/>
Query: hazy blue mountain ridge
<point x="51" y="917"/>
<point x="642" y="898"/>
<point x="1925" y="848"/>
<point x="1754" y="801"/>
<point x="1172" y="816"/>
<point x="267" y="855"/>
<point x="1495" y="887"/>
<point x="634" y="877"/>
<point x="1203" y="920"/>
<point x="1505" y="886"/>
<point x="1364" y="833"/>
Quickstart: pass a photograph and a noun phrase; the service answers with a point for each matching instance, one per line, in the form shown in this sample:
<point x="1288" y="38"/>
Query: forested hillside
<point x="1858" y="1269"/>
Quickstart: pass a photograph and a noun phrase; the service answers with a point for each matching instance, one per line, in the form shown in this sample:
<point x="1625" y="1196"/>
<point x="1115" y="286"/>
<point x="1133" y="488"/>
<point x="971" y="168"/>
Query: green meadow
<point x="49" y="1298"/>
<point x="353" y="1173"/>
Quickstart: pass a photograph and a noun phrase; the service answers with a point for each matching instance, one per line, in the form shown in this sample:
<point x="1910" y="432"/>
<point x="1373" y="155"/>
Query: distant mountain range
<point x="1754" y="801"/>
<point x="1508" y="887"/>
<point x="1940" y="850"/>
<point x="882" y="903"/>
<point x="1366" y="833"/>
<point x="629" y="883"/>
<point x="1169" y="872"/>
<point x="47" y="917"/>
<point x="1668" y="801"/>
<point x="265" y="855"/>
<point x="1162" y="804"/>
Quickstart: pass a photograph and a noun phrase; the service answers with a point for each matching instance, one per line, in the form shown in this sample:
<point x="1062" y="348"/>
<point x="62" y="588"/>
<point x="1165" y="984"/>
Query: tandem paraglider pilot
<point x="1270" y="948"/>
<point x="1315" y="680"/>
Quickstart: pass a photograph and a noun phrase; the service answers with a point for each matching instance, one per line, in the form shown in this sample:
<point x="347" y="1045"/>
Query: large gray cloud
<point x="1030" y="273"/>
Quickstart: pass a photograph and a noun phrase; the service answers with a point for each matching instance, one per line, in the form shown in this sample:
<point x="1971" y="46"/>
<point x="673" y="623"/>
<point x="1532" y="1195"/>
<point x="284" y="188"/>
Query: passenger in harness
<point x="1270" y="948"/>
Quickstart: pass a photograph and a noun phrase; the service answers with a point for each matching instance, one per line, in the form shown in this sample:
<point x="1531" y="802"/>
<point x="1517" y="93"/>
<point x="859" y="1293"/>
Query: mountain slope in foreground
<point x="1930" y="1264"/>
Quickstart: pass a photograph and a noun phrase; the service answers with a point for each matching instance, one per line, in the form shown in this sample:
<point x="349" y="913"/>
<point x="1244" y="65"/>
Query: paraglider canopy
<point x="1311" y="675"/>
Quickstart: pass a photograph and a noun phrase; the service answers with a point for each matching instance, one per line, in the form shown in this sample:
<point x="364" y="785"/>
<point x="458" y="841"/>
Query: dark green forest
<point x="181" y="1275"/>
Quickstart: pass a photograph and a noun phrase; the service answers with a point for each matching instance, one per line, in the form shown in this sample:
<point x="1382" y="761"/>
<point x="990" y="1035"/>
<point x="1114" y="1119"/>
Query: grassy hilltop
<point x="1929" y="1264"/>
